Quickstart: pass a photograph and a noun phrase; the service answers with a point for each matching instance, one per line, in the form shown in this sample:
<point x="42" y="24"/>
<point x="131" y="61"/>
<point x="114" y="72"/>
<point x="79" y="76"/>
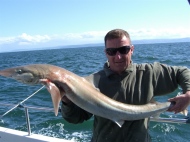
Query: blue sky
<point x="34" y="24"/>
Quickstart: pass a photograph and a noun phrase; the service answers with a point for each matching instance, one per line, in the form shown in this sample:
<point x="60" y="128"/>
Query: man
<point x="129" y="83"/>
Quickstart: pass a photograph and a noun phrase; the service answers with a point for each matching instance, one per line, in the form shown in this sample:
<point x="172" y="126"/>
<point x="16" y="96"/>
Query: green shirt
<point x="136" y="85"/>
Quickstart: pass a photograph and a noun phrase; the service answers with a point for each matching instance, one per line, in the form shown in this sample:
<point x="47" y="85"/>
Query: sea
<point x="82" y="61"/>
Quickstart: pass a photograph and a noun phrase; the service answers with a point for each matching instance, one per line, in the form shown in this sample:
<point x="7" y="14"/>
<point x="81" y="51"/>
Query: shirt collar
<point x="109" y="72"/>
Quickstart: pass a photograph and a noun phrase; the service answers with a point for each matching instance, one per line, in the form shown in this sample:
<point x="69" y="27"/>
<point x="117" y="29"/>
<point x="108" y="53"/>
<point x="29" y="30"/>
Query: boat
<point x="10" y="135"/>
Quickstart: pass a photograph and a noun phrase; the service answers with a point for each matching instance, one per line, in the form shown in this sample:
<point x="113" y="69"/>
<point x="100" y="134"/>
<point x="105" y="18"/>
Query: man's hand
<point x="65" y="100"/>
<point x="181" y="102"/>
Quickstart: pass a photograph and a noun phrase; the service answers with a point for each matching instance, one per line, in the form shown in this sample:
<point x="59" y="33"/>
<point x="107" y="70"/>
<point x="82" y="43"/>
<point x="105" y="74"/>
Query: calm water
<point x="83" y="61"/>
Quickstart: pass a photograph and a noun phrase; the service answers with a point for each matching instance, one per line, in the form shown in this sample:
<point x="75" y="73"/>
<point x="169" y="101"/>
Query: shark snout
<point x="6" y="73"/>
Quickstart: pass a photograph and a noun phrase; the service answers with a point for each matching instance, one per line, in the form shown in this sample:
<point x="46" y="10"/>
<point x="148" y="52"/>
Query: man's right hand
<point x="66" y="100"/>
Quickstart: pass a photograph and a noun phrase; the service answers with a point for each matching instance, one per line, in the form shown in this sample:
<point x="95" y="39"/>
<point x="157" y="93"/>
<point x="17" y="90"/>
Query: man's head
<point x="118" y="50"/>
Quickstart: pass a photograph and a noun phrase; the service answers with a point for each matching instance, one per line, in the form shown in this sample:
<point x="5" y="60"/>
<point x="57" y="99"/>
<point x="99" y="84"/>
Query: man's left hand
<point x="181" y="102"/>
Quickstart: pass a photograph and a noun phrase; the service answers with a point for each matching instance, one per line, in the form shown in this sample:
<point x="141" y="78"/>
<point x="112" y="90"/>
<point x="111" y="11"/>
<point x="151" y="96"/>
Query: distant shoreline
<point x="145" y="41"/>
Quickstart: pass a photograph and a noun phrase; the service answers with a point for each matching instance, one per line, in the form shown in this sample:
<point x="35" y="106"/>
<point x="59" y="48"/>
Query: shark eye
<point x="19" y="71"/>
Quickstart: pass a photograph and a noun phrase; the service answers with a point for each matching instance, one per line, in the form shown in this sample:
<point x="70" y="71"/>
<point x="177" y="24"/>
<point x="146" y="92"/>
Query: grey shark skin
<point x="81" y="92"/>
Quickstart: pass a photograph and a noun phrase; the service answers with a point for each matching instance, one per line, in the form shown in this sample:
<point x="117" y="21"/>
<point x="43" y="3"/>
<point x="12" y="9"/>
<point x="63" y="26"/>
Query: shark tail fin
<point x="184" y="112"/>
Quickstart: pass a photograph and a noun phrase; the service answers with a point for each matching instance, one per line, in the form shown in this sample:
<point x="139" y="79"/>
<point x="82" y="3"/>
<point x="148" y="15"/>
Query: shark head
<point x="35" y="74"/>
<point x="24" y="74"/>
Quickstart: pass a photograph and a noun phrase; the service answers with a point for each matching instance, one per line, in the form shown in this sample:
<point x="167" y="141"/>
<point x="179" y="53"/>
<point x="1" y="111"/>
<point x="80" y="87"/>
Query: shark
<point x="61" y="82"/>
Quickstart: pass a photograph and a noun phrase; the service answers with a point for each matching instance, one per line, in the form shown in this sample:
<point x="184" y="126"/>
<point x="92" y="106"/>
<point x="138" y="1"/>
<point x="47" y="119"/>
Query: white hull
<point x="11" y="135"/>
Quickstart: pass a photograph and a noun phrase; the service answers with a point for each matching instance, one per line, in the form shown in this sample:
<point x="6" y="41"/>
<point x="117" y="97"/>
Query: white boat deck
<point x="11" y="135"/>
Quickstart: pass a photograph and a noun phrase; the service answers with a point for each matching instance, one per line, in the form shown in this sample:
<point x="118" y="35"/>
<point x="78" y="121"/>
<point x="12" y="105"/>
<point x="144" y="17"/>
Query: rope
<point x="22" y="102"/>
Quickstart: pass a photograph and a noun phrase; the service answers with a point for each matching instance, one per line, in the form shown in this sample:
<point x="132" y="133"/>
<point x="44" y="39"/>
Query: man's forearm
<point x="74" y="114"/>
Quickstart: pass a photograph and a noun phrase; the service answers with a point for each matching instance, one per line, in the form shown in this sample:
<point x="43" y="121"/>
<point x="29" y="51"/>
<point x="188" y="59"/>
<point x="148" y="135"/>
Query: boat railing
<point x="20" y="105"/>
<point x="25" y="107"/>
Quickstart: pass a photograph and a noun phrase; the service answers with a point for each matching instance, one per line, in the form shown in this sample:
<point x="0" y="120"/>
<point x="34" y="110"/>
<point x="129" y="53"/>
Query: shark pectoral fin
<point x="55" y="94"/>
<point x="119" y="122"/>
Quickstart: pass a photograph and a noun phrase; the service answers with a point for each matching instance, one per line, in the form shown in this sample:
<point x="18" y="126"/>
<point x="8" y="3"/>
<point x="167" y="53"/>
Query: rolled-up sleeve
<point x="167" y="78"/>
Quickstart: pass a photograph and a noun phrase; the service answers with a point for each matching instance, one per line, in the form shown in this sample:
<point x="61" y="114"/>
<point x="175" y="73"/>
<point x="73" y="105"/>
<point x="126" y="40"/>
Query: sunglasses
<point x="121" y="50"/>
